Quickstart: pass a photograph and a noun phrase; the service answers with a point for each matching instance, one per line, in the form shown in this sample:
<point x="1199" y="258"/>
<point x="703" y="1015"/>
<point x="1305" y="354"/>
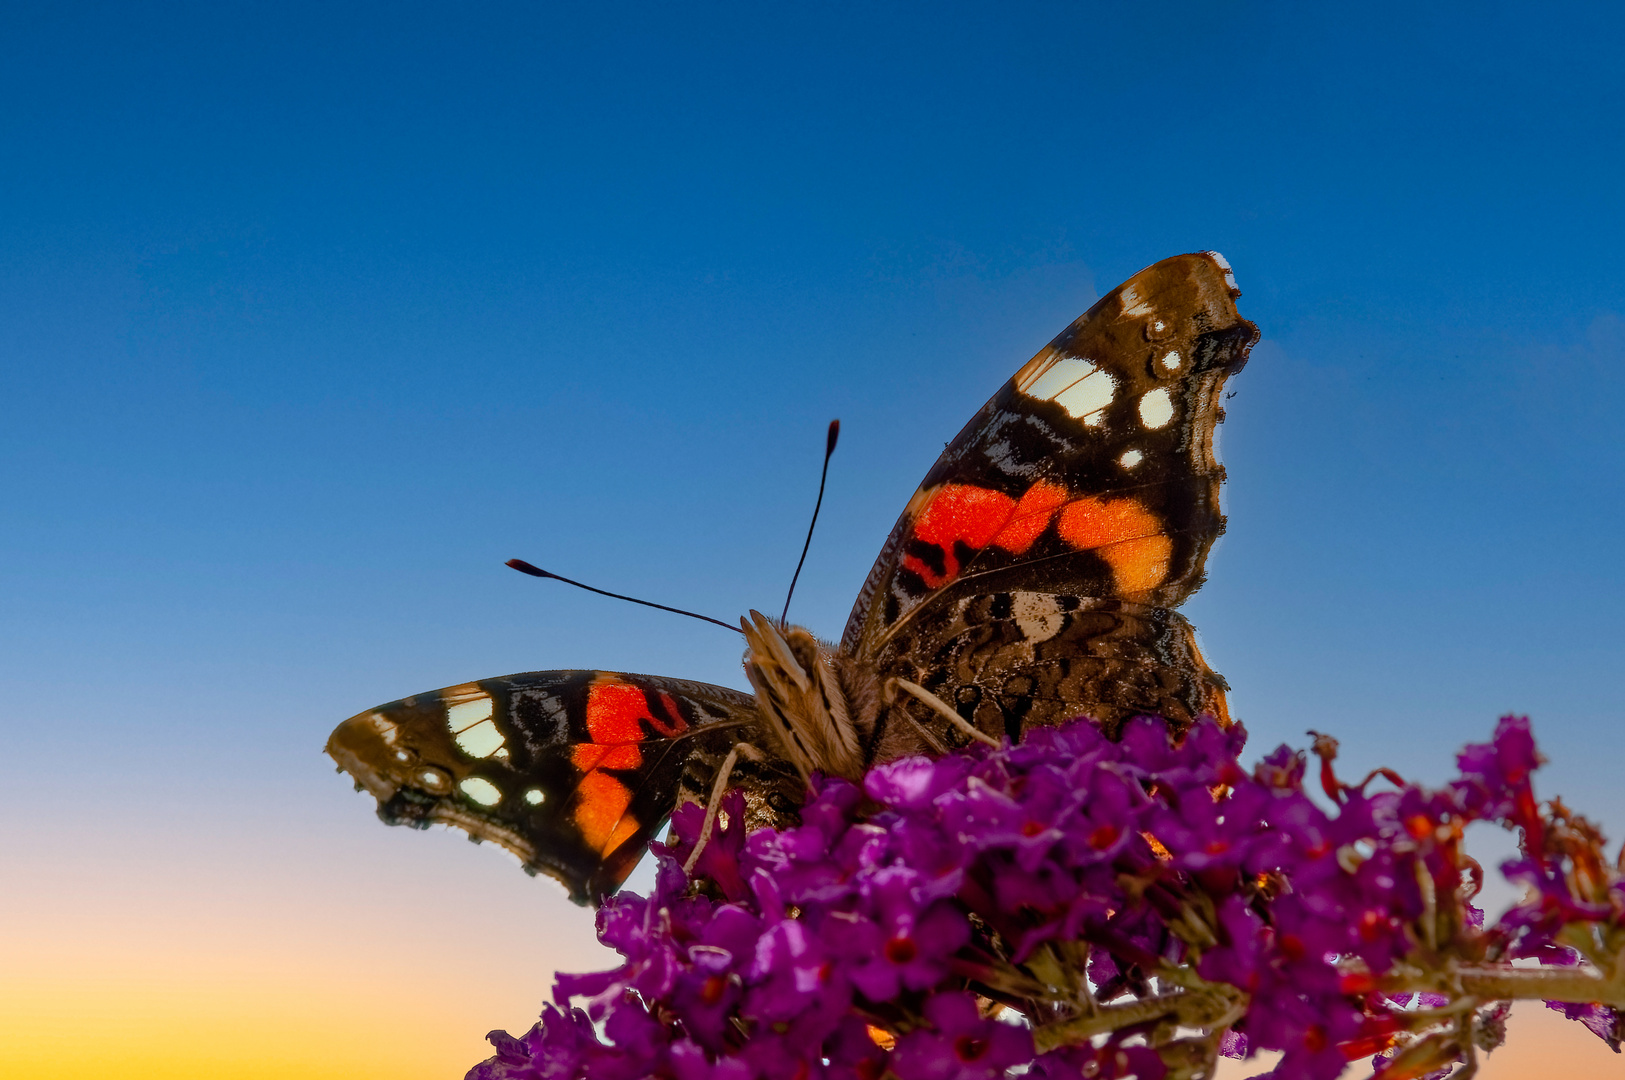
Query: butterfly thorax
<point x="820" y="707"/>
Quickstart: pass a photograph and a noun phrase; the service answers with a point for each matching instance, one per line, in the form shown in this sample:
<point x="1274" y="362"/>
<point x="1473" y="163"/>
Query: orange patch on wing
<point x="627" y="829"/>
<point x="617" y="713"/>
<point x="1125" y="534"/>
<point x="1090" y="523"/>
<point x="589" y="756"/>
<point x="600" y="811"/>
<point x="957" y="513"/>
<point x="1138" y="565"/>
<point x="1031" y="517"/>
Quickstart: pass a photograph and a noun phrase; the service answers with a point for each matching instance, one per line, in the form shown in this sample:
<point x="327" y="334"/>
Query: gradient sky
<point x="311" y="315"/>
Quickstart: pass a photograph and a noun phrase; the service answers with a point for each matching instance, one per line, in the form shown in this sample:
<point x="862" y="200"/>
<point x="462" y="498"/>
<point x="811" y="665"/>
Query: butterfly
<point x="1032" y="578"/>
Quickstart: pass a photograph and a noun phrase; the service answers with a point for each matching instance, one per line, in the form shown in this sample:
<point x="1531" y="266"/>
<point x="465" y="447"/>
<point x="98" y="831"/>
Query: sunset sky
<point x="311" y="315"/>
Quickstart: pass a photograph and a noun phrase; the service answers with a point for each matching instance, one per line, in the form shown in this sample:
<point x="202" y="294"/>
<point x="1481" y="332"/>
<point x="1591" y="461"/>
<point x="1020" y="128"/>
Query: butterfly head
<point x="817" y="706"/>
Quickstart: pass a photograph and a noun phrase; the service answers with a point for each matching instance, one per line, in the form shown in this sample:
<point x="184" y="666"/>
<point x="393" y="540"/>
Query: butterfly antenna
<point x="829" y="448"/>
<point x="535" y="571"/>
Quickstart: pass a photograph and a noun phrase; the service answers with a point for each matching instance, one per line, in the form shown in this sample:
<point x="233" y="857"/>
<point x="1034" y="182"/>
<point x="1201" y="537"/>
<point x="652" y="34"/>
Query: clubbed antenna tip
<point x="829" y="448"/>
<point x="536" y="571"/>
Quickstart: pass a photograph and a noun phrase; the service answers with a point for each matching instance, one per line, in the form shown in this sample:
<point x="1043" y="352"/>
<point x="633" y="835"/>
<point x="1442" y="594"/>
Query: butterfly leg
<point x="718" y="789"/>
<point x="941" y="708"/>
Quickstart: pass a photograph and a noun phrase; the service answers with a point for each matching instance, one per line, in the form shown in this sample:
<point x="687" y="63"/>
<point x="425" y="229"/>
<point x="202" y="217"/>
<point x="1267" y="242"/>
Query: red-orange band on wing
<point x="1123" y="532"/>
<point x="1032" y="515"/>
<point x="957" y="513"/>
<point x="614" y="710"/>
<point x="600" y="811"/>
<point x="617" y="713"/>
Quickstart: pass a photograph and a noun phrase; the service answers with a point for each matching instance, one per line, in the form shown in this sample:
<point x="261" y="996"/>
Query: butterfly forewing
<point x="1090" y="473"/>
<point x="572" y="771"/>
<point x="1031" y="578"/>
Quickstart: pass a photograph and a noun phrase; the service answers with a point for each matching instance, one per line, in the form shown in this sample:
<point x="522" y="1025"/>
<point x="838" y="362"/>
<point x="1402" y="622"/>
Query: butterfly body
<point x="1032" y="578"/>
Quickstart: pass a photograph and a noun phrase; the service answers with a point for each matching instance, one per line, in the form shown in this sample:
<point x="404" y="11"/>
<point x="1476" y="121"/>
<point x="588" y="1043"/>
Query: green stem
<point x="1563" y="984"/>
<point x="1188" y="1009"/>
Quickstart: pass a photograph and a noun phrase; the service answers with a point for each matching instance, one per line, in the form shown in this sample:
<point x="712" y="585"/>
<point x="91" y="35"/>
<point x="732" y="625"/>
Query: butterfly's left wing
<point x="1033" y="575"/>
<point x="572" y="771"/>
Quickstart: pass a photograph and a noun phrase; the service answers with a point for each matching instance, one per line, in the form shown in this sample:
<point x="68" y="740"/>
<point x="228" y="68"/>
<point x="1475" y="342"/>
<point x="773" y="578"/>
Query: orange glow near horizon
<point x="246" y="1017"/>
<point x="1539" y="1043"/>
<point x="172" y="961"/>
<point x="388" y="958"/>
<point x="197" y="1021"/>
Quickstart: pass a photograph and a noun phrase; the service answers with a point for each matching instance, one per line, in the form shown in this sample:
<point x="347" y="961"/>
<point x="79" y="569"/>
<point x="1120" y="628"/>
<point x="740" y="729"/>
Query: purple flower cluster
<point x="1074" y="907"/>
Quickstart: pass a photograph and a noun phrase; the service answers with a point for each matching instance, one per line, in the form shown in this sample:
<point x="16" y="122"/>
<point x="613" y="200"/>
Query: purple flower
<point x="960" y="1044"/>
<point x="904" y="946"/>
<point x="1605" y="1023"/>
<point x="799" y="955"/>
<point x="1112" y="1061"/>
<point x="1233" y="1045"/>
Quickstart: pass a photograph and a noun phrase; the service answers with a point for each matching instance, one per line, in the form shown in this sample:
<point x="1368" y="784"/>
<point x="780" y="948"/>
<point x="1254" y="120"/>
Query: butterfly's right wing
<point x="572" y="771"/>
<point x="1090" y="473"/>
<point x="1032" y="577"/>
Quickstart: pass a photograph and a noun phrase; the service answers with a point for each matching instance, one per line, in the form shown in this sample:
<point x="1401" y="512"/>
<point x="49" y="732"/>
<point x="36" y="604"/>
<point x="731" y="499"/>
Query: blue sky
<point x="312" y="315"/>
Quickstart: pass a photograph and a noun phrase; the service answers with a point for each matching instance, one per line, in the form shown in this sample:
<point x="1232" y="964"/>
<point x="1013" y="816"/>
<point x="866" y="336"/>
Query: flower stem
<point x="1189" y="1009"/>
<point x="1562" y="984"/>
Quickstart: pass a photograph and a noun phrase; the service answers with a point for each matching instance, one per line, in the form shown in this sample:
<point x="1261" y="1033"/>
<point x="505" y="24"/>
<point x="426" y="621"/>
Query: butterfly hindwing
<point x="572" y="771"/>
<point x="1009" y="661"/>
<point x="1090" y="473"/>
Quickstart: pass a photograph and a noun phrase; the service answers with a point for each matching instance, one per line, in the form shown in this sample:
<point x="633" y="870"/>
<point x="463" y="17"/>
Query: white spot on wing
<point x="534" y="796"/>
<point x="465" y="714"/>
<point x="1060" y="374"/>
<point x="1130" y="458"/>
<point x="1087" y="398"/>
<point x="1156" y="408"/>
<point x="1038" y="614"/>
<point x="481" y="790"/>
<point x="1075" y="384"/>
<point x="1133" y="306"/>
<point x="1171" y="361"/>
<point x="480" y="741"/>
